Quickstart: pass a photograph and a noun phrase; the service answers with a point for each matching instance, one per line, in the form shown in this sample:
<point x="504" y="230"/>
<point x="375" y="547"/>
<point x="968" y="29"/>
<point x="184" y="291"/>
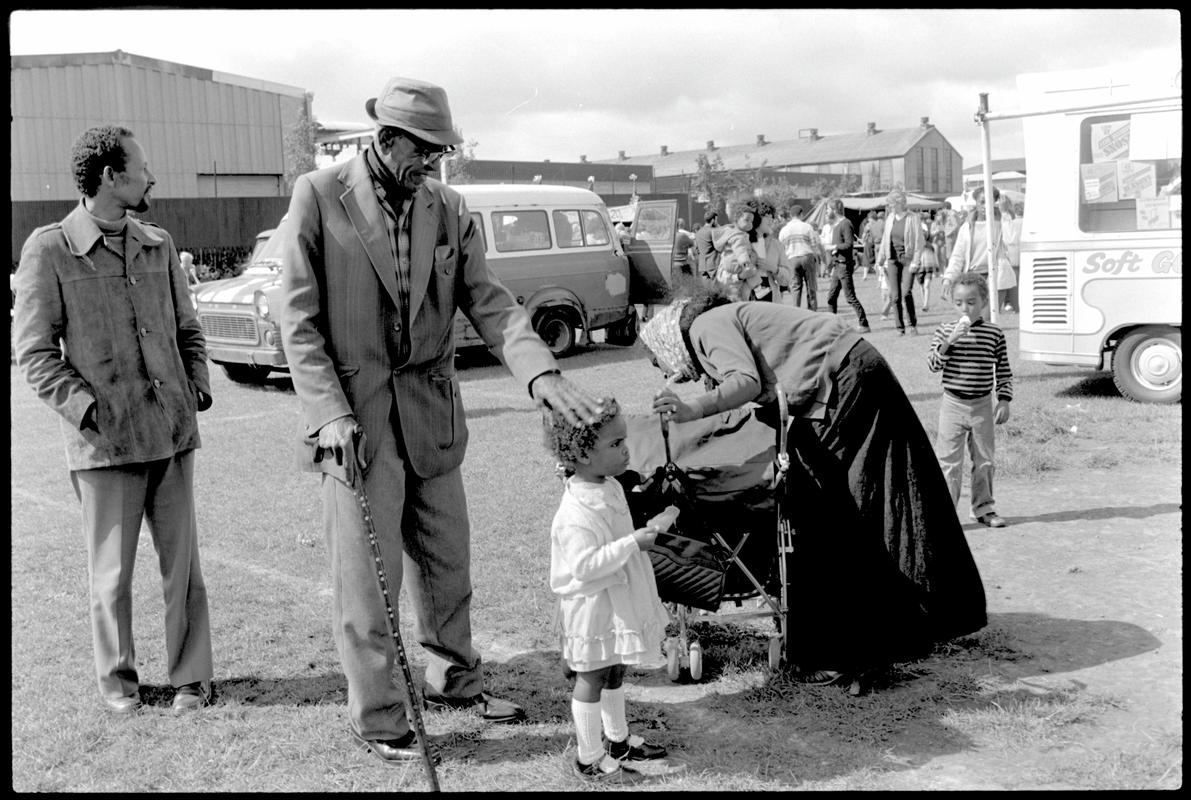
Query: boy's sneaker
<point x="634" y="748"/>
<point x="606" y="770"/>
<point x="991" y="519"/>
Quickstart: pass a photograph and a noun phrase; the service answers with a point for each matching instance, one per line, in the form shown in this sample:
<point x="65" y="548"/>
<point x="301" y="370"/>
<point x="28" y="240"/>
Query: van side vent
<point x="1051" y="291"/>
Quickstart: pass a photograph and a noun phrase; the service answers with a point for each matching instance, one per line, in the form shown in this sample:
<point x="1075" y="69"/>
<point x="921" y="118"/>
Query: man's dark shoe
<point x="193" y="696"/>
<point x="127" y="704"/>
<point x="395" y="751"/>
<point x="634" y="748"/>
<point x="490" y="709"/>
<point x="991" y="520"/>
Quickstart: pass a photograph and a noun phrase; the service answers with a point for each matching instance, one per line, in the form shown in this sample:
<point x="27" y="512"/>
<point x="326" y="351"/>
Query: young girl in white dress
<point x="609" y="607"/>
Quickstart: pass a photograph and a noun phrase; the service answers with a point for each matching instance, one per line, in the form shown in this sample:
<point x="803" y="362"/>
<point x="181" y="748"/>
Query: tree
<point x="713" y="181"/>
<point x="457" y="165"/>
<point x="299" y="145"/>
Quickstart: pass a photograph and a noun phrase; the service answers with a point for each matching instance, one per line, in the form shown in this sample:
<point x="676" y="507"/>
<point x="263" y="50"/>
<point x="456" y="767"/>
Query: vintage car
<point x="567" y="268"/>
<point x="238" y="316"/>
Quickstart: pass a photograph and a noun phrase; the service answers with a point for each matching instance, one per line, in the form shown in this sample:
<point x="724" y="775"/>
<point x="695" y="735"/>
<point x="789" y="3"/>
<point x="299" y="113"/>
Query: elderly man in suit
<point x="378" y="256"/>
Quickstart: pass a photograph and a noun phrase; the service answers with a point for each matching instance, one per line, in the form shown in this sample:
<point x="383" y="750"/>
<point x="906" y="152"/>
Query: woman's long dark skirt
<point x="881" y="569"/>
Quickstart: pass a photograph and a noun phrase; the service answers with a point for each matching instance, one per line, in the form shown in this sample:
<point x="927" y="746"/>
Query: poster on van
<point x="1110" y="141"/>
<point x="1099" y="182"/>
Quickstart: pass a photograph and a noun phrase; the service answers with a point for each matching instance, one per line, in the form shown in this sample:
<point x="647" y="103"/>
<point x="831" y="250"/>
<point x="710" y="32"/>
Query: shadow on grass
<point x="1099" y="384"/>
<point x="1078" y="514"/>
<point x="748" y="722"/>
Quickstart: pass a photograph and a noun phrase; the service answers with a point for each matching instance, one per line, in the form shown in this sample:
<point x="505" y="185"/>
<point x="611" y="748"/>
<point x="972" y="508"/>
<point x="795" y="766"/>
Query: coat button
<point x="144" y="331"/>
<point x="132" y="280"/>
<point x="157" y="383"/>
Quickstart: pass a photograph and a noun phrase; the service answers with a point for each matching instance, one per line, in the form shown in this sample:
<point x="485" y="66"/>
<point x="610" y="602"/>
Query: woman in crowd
<point x="900" y="251"/>
<point x="881" y="570"/>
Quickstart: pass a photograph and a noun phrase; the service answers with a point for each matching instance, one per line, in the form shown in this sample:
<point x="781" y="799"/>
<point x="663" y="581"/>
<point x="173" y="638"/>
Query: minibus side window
<point x="595" y="232"/>
<point x="478" y="220"/>
<point x="520" y="230"/>
<point x="566" y="228"/>
<point x="1130" y="172"/>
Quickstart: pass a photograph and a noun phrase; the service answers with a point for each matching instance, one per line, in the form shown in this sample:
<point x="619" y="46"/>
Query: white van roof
<point x="524" y="194"/>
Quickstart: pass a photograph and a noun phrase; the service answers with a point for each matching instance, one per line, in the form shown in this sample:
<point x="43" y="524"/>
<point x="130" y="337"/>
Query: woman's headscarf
<point x="664" y="339"/>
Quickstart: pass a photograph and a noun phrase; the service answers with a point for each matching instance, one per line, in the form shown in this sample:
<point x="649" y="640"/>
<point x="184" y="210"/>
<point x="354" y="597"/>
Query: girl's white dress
<point x="609" y="607"/>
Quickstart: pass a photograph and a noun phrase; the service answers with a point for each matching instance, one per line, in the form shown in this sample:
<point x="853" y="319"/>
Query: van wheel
<point x="624" y="333"/>
<point x="1148" y="365"/>
<point x="246" y="373"/>
<point x="557" y="331"/>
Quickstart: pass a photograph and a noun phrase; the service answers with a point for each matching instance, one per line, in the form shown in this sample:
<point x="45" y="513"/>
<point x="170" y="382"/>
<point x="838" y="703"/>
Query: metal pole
<point x="986" y="147"/>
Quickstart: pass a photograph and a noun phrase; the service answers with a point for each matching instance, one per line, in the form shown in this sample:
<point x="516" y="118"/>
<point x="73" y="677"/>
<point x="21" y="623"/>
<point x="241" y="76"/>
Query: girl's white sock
<point x="616" y="726"/>
<point x="587" y="730"/>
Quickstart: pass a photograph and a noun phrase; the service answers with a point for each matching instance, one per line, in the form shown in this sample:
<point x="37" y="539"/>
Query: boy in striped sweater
<point x="974" y="359"/>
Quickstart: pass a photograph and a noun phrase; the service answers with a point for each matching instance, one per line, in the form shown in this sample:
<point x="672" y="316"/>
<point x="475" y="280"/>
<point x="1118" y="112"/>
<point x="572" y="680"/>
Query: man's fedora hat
<point x="415" y="106"/>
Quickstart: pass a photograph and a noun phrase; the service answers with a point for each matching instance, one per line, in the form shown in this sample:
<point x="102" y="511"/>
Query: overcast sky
<point x="536" y="84"/>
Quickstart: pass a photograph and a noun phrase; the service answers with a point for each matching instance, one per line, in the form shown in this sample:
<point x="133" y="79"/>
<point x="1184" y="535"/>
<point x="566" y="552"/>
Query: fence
<point x="215" y="229"/>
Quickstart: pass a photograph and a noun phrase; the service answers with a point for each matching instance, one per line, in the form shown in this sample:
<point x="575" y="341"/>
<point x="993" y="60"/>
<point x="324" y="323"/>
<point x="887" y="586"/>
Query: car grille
<point x="229" y="327"/>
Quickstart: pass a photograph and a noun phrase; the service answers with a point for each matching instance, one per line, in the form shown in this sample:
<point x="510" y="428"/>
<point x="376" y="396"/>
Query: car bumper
<point x="223" y="354"/>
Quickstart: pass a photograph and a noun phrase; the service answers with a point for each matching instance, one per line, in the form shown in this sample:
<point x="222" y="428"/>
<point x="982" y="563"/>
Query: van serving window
<point x="520" y="230"/>
<point x="1130" y="172"/>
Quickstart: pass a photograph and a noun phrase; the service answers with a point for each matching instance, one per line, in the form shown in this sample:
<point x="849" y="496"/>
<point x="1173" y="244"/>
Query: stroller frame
<point x="683" y="651"/>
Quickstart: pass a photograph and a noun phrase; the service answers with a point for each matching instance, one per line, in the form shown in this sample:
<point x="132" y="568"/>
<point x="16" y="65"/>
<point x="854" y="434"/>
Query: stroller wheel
<point x="673" y="657"/>
<point x="696" y="653"/>
<point x="775" y="652"/>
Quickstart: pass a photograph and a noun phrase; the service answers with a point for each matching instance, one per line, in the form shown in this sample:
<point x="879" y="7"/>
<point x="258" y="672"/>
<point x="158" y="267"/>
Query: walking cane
<point x="341" y="472"/>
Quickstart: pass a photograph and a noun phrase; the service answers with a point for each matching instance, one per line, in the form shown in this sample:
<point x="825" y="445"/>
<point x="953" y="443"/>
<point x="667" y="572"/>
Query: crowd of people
<point x="379" y="258"/>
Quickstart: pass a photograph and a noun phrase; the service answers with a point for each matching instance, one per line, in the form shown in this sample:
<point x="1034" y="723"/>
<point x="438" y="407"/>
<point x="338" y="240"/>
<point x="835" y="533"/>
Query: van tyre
<point x="557" y="329"/>
<point x="246" y="373"/>
<point x="1148" y="365"/>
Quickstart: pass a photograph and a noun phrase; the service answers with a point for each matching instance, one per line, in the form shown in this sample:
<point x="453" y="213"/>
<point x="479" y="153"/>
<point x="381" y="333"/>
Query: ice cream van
<point x="1101" y="245"/>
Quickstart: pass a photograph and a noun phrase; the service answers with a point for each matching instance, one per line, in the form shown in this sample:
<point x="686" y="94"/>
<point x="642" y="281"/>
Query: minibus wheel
<point x="1148" y="365"/>
<point x="557" y="330"/>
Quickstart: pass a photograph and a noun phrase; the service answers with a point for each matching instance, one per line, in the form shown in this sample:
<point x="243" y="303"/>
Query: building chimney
<point x="761" y="140"/>
<point x="872" y="128"/>
<point x="809" y="133"/>
<point x="620" y="154"/>
<point x="582" y="159"/>
<point x="711" y="144"/>
<point x="926" y="122"/>
<point x="665" y="150"/>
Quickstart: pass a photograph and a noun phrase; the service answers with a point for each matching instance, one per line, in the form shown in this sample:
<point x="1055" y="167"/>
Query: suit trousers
<point x="424" y="537"/>
<point x="968" y="423"/>
<point x="115" y="500"/>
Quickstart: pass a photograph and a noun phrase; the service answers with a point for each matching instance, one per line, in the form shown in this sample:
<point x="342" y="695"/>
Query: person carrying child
<point x="974" y="359"/>
<point x="608" y="599"/>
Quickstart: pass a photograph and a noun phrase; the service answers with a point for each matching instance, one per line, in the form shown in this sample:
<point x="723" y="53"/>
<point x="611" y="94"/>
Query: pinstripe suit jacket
<point x="340" y="321"/>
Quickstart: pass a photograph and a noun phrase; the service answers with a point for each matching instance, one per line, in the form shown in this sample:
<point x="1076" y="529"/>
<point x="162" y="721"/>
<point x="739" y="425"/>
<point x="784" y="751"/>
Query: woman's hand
<point x="668" y="404"/>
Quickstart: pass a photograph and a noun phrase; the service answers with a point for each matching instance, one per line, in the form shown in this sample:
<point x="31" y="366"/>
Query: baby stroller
<point x="731" y="540"/>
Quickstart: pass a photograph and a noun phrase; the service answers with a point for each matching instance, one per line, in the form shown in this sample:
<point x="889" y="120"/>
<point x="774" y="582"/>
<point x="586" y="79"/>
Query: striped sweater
<point x="974" y="363"/>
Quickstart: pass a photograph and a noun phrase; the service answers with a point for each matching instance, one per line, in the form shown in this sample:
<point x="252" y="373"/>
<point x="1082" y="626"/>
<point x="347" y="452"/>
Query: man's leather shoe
<point x="127" y="704"/>
<point x="991" y="520"/>
<point x="491" y="709"/>
<point x="395" y="751"/>
<point x="193" y="696"/>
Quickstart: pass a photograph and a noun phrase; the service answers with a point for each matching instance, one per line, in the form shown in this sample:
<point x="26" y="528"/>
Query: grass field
<point x="280" y="723"/>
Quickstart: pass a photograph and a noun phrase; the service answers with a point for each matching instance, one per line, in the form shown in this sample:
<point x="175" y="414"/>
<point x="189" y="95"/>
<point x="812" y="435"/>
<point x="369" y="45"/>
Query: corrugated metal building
<point x="920" y="159"/>
<point x="206" y="133"/>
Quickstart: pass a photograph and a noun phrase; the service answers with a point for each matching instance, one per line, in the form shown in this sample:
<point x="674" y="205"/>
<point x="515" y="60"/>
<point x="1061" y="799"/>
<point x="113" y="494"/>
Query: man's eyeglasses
<point x="429" y="153"/>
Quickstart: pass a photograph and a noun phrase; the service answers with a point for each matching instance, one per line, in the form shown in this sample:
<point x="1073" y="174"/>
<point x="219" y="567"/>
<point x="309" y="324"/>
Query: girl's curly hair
<point x="568" y="443"/>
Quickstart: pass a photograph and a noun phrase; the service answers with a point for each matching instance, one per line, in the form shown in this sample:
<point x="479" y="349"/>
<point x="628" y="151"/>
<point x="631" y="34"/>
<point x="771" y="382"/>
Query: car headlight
<point x="261" y="301"/>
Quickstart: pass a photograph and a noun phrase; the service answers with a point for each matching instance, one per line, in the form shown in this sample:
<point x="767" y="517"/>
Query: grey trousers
<point x="115" y="500"/>
<point x="424" y="537"/>
<point x="968" y="424"/>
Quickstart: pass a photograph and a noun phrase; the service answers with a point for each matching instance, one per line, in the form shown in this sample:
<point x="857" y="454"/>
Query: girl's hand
<point x="645" y="537"/>
<point x="1001" y="413"/>
<point x="667" y="403"/>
